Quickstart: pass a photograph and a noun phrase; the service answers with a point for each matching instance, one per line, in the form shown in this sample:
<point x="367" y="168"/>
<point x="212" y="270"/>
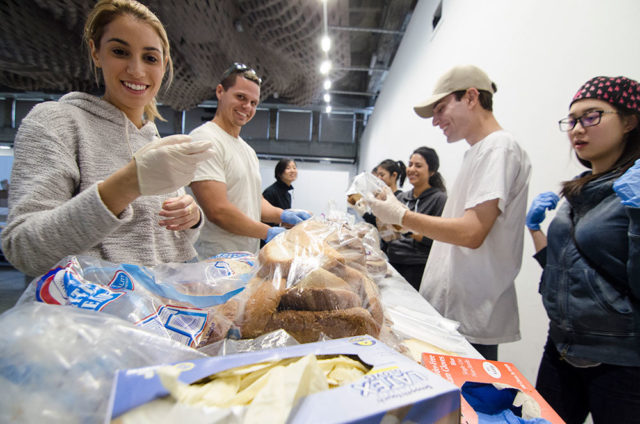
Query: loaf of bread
<point x="310" y="326"/>
<point x="314" y="282"/>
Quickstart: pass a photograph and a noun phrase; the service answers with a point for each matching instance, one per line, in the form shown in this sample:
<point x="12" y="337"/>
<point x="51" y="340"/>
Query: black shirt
<point x="278" y="195"/>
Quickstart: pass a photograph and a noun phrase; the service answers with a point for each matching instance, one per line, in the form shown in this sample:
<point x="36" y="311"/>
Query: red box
<point x="459" y="370"/>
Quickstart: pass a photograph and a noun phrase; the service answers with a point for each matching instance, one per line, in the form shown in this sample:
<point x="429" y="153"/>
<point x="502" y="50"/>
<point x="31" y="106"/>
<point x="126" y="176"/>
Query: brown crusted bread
<point x="319" y="299"/>
<point x="320" y="290"/>
<point x="261" y="297"/>
<point x="308" y="326"/>
<point x="216" y="328"/>
<point x="365" y="287"/>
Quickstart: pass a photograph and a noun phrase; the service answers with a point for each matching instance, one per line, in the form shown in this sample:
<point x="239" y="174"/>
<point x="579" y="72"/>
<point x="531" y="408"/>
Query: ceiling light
<point x="327" y="97"/>
<point x="327" y="109"/>
<point x="327" y="84"/>
<point x="325" y="67"/>
<point x="325" y="43"/>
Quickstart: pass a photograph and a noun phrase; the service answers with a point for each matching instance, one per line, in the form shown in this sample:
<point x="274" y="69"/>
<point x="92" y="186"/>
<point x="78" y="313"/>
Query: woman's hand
<point x="538" y="210"/>
<point x="627" y="187"/>
<point x="180" y="213"/>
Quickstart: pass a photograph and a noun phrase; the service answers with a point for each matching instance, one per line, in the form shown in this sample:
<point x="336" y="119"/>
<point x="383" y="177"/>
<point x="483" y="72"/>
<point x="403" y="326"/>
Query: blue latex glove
<point x="538" y="209"/>
<point x="272" y="232"/>
<point x="627" y="187"/>
<point x="294" y="216"/>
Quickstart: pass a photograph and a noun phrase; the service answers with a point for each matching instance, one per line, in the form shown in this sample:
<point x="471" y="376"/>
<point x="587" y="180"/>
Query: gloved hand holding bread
<point x="386" y="207"/>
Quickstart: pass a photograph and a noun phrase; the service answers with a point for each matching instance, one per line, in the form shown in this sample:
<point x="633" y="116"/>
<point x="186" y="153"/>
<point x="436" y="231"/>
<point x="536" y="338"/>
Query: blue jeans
<point x="610" y="392"/>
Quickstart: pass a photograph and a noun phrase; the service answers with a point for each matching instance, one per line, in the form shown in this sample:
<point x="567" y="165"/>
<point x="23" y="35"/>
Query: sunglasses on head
<point x="241" y="68"/>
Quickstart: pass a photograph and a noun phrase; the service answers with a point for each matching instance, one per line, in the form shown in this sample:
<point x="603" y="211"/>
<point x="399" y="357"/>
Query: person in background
<point x="90" y="175"/>
<point x="477" y="252"/>
<point x="277" y="193"/>
<point x="590" y="285"/>
<point x="391" y="172"/>
<point x="408" y="254"/>
<point x="228" y="186"/>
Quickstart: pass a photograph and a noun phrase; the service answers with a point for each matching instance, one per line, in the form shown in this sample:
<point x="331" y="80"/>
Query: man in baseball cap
<point x="477" y="249"/>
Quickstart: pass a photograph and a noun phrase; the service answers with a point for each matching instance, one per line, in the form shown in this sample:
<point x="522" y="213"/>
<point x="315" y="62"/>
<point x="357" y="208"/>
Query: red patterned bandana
<point x="619" y="91"/>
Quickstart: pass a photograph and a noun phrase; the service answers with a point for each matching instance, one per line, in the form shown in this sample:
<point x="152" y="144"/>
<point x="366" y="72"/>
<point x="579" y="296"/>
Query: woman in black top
<point x="408" y="254"/>
<point x="393" y="173"/>
<point x="277" y="193"/>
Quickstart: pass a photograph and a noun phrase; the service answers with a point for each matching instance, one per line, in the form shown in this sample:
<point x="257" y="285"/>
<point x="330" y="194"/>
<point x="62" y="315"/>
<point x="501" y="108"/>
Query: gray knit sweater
<point x="61" y="151"/>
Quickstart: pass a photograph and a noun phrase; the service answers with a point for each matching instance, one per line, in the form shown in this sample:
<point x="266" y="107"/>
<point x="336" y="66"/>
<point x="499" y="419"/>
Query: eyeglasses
<point x="241" y="68"/>
<point x="588" y="119"/>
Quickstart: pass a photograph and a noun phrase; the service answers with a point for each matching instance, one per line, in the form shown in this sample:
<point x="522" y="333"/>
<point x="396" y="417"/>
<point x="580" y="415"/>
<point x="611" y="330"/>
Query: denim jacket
<point x="592" y="318"/>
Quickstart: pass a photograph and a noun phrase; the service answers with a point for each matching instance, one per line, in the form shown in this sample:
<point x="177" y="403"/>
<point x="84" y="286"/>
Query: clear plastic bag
<point x="364" y="185"/>
<point x="180" y="301"/>
<point x="315" y="280"/>
<point x="57" y="363"/>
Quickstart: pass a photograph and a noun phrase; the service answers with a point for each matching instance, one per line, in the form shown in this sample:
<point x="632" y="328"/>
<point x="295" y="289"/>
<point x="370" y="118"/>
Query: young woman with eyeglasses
<point x="90" y="176"/>
<point x="590" y="285"/>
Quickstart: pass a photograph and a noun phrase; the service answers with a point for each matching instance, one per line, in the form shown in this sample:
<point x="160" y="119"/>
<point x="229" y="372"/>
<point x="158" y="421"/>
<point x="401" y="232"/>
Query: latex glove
<point x="387" y="208"/>
<point x="538" y="209"/>
<point x="294" y="216"/>
<point x="166" y="164"/>
<point x="272" y="232"/>
<point x="627" y="187"/>
<point x="360" y="207"/>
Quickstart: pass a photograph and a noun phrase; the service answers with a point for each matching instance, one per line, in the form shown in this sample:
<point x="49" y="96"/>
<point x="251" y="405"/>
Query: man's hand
<point x="387" y="208"/>
<point x="294" y="216"/>
<point x="272" y="232"/>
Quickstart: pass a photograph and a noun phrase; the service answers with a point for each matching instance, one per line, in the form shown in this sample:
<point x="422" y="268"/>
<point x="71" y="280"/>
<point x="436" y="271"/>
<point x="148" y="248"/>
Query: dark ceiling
<point x="41" y="47"/>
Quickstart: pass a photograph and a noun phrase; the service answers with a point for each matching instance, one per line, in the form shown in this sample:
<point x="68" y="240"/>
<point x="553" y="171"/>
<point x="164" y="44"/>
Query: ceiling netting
<point x="41" y="45"/>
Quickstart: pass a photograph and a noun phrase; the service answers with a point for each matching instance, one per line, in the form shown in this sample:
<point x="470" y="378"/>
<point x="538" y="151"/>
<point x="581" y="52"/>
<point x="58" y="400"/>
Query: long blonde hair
<point x="103" y="13"/>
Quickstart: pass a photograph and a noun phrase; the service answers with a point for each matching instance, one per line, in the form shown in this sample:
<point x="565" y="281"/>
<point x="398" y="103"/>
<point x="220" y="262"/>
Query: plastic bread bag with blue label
<point x="181" y="301"/>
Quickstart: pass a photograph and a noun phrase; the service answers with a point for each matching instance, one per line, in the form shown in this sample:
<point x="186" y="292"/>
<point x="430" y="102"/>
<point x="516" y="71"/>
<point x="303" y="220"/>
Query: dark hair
<point x="629" y="155"/>
<point x="484" y="97"/>
<point x="395" y="166"/>
<point x="281" y="166"/>
<point x="230" y="76"/>
<point x="431" y="157"/>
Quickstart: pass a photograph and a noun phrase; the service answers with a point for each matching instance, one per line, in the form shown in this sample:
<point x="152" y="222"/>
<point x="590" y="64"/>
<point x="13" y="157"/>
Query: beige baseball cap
<point x="456" y="79"/>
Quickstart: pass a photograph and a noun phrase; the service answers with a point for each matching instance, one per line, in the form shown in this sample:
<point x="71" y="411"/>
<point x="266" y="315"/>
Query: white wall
<point x="538" y="53"/>
<point x="318" y="184"/>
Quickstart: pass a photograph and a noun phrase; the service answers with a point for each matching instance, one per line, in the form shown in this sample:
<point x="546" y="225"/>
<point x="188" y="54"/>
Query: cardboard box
<point x="396" y="389"/>
<point x="459" y="370"/>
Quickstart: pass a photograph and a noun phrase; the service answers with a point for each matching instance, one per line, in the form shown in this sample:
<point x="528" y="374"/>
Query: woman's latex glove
<point x="166" y="164"/>
<point x="386" y="207"/>
<point x="538" y="209"/>
<point x="627" y="187"/>
<point x="272" y="232"/>
<point x="294" y="216"/>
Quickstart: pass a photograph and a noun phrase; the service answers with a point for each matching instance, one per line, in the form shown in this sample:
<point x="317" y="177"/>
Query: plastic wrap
<point x="57" y="363"/>
<point x="183" y="302"/>
<point x="315" y="280"/>
<point x="362" y="186"/>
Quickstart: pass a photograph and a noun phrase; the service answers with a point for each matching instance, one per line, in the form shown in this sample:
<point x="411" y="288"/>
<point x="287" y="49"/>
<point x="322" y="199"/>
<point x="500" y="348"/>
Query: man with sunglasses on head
<point x="477" y="248"/>
<point x="228" y="186"/>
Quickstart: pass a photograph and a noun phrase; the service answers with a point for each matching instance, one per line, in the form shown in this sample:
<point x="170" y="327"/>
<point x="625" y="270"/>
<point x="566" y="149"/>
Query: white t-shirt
<point x="235" y="164"/>
<point x="476" y="286"/>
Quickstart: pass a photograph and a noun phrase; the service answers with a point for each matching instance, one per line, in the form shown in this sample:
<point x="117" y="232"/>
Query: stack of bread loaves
<point x="313" y="280"/>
